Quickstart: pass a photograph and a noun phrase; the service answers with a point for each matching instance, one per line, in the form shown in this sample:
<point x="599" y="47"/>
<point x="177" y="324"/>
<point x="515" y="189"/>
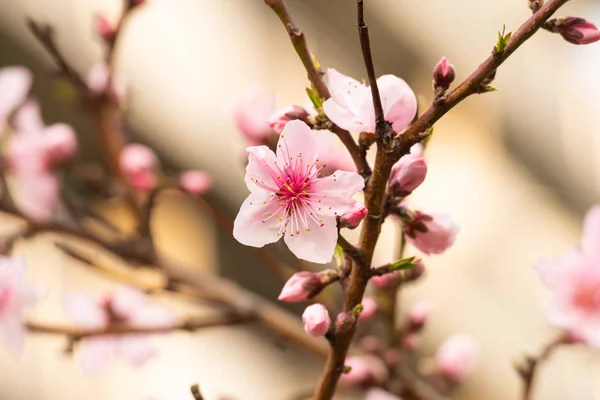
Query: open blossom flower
<point x="457" y="357"/>
<point x="126" y="307"/>
<point x="253" y="113"/>
<point x="33" y="153"/>
<point x="431" y="233"/>
<point x="139" y="164"/>
<point x="16" y="294"/>
<point x="408" y="173"/>
<point x="351" y="105"/>
<point x="289" y="198"/>
<point x="15" y="83"/>
<point x="574" y="282"/>
<point x="316" y="320"/>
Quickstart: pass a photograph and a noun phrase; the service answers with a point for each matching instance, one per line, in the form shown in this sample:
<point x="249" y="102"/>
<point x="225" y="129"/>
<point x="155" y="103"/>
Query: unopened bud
<point x="579" y="31"/>
<point x="300" y="286"/>
<point x="345" y="320"/>
<point x="105" y="29"/>
<point x="419" y="314"/>
<point x="316" y="320"/>
<point x="139" y="165"/>
<point x="408" y="173"/>
<point x="443" y="74"/>
<point x="352" y="218"/>
<point x="285" y="115"/>
<point x="195" y="182"/>
<point x="456" y="358"/>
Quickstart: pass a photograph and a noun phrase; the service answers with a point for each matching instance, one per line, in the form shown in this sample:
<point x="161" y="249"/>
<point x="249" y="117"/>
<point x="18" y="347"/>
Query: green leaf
<point x="488" y="89"/>
<point x="314" y="97"/>
<point x="357" y="310"/>
<point x="404" y="264"/>
<point x="502" y="40"/>
<point x="339" y="256"/>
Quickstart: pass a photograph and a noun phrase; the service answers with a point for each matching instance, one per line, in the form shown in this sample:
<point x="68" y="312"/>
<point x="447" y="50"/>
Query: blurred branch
<point x="314" y="75"/>
<point x="195" y="389"/>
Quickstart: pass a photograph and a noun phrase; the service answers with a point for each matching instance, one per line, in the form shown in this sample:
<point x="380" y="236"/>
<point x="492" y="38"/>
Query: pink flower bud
<point x="285" y="115"/>
<point x="412" y="341"/>
<point x="139" y="164"/>
<point x="457" y="357"/>
<point x="431" y="233"/>
<point x="352" y="218"/>
<point x="388" y="280"/>
<point x="316" y="320"/>
<point x="105" y="29"/>
<point x="408" y="173"/>
<point x="443" y="74"/>
<point x="420" y="312"/>
<point x="579" y="31"/>
<point x="195" y="182"/>
<point x="345" y="320"/>
<point x="299" y="287"/>
<point x="370" y="308"/>
<point x="60" y="143"/>
<point x="414" y="273"/>
<point x="365" y="370"/>
<point x="380" y="394"/>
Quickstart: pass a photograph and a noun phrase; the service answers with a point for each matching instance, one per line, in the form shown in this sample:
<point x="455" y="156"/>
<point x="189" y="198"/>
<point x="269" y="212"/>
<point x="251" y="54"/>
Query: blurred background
<point x="517" y="169"/>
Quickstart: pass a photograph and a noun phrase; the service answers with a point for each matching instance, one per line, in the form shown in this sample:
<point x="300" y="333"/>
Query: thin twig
<point x="195" y="389"/>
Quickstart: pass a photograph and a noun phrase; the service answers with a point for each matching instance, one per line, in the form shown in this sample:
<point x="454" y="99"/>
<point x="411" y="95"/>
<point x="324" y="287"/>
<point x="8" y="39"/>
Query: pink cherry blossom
<point x="365" y="370"/>
<point x="124" y="307"/>
<point x="16" y="295"/>
<point x="352" y="218"/>
<point x="15" y="83"/>
<point x="431" y="233"/>
<point x="457" y="357"/>
<point x="289" y="197"/>
<point x="33" y="153"/>
<point x="408" y="173"/>
<point x="139" y="164"/>
<point x="253" y="113"/>
<point x="380" y="394"/>
<point x="316" y="320"/>
<point x="370" y="308"/>
<point x="300" y="286"/>
<point x="195" y="182"/>
<point x="573" y="302"/>
<point x="351" y="104"/>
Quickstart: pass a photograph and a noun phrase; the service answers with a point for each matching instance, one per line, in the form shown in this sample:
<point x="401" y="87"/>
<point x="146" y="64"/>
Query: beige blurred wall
<point x="186" y="61"/>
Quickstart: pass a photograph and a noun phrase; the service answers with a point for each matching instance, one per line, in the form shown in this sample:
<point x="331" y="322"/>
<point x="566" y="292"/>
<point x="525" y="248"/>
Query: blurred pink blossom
<point x="299" y="286"/>
<point x="195" y="182"/>
<point x="574" y="282"/>
<point x="316" y="320"/>
<point x="370" y="308"/>
<point x="457" y="357"/>
<point x="431" y="233"/>
<point x="380" y="394"/>
<point x="139" y="165"/>
<point x="289" y="199"/>
<point x="365" y="370"/>
<point x="15" y="83"/>
<point x="100" y="82"/>
<point x="408" y="173"/>
<point x="420" y="312"/>
<point x="388" y="280"/>
<point x="105" y="29"/>
<point x="126" y="307"/>
<point x="351" y="104"/>
<point x="253" y="113"/>
<point x="16" y="294"/>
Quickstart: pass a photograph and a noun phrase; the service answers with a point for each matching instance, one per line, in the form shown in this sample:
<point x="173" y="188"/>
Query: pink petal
<point x="98" y="78"/>
<point x="560" y="311"/>
<point x="38" y="194"/>
<point x="333" y="153"/>
<point x="253" y="113"/>
<point x="345" y="91"/>
<point x="126" y="301"/>
<point x="95" y="353"/>
<point x="153" y="317"/>
<point x="295" y="139"/>
<point x="554" y="271"/>
<point x="12" y="332"/>
<point x="316" y="245"/>
<point x="335" y="191"/>
<point x="15" y="83"/>
<point x="590" y="240"/>
<point x="60" y="142"/>
<point x="85" y="310"/>
<point x="261" y="169"/>
<point x="343" y="117"/>
<point x="398" y="100"/>
<point x="249" y="228"/>
<point x="589" y="329"/>
<point x="137" y="349"/>
<point x="28" y="118"/>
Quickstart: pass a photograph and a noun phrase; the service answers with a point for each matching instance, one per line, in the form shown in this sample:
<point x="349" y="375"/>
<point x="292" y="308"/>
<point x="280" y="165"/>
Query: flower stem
<point x="528" y="370"/>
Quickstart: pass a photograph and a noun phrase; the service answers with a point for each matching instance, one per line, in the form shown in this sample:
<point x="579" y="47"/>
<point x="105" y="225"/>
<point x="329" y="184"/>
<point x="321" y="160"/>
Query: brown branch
<point x="529" y="368"/>
<point x="190" y="325"/>
<point x="365" y="44"/>
<point x="417" y="388"/>
<point x="300" y="45"/>
<point x="195" y="389"/>
<point x="375" y="190"/>
<point x="471" y="85"/>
